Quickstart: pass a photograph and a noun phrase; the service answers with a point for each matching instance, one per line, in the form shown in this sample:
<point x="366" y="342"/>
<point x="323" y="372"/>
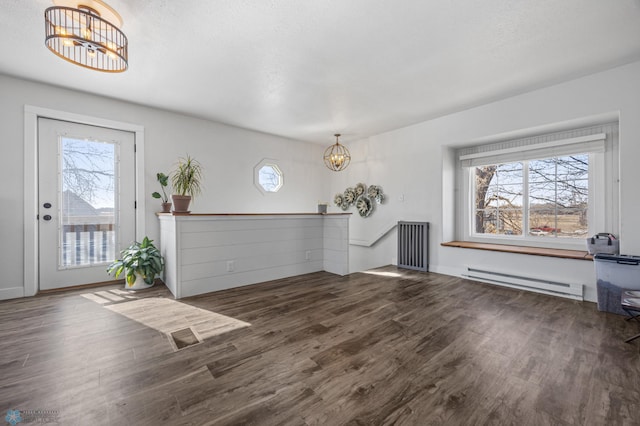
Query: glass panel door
<point x="87" y="201"/>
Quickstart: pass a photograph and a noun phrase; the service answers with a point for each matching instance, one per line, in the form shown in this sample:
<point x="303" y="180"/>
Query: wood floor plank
<point x="387" y="347"/>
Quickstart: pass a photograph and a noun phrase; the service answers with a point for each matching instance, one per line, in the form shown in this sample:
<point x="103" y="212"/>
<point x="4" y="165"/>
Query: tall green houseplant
<point x="186" y="181"/>
<point x="141" y="263"/>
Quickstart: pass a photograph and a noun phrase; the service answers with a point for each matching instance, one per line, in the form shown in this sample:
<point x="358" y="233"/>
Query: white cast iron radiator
<point x="413" y="245"/>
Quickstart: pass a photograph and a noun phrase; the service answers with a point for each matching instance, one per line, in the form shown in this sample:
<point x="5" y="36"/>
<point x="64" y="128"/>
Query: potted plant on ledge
<point x="163" y="180"/>
<point x="186" y="180"/>
<point x="141" y="262"/>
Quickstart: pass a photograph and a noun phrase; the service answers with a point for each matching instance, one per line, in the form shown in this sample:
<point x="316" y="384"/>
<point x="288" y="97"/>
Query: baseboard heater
<point x="413" y="245"/>
<point x="538" y="285"/>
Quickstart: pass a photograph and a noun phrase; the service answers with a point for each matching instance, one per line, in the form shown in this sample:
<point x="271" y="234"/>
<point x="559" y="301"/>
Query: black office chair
<point x="630" y="303"/>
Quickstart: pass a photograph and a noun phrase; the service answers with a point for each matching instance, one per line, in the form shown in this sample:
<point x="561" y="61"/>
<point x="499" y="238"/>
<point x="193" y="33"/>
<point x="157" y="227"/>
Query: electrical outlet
<point x="307" y="255"/>
<point x="230" y="265"/>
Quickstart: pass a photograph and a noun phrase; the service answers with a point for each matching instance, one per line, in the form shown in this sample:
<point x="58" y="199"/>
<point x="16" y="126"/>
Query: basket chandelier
<point x="87" y="34"/>
<point x="337" y="157"/>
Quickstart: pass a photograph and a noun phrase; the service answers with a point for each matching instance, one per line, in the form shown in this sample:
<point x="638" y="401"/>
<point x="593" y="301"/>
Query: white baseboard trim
<point x="11" y="293"/>
<point x="446" y="270"/>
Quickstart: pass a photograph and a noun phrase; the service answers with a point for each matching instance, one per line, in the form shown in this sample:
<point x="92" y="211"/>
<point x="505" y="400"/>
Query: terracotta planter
<point x="166" y="207"/>
<point x="181" y="203"/>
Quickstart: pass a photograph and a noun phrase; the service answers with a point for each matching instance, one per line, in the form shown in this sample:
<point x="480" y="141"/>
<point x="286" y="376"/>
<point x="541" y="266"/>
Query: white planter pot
<point x="138" y="284"/>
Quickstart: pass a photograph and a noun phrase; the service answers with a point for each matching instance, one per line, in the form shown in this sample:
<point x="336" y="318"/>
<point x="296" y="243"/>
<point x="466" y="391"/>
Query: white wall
<point x="410" y="163"/>
<point x="407" y="163"/>
<point x="227" y="153"/>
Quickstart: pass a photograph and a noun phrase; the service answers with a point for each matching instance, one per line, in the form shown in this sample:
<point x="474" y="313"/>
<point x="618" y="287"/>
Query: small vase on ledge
<point x="166" y="207"/>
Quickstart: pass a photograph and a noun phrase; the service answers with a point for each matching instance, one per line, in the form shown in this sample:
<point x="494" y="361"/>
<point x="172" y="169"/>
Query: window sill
<point x="535" y="251"/>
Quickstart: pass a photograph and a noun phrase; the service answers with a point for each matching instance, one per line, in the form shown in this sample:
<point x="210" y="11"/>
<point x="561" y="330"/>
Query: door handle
<point x="47" y="217"/>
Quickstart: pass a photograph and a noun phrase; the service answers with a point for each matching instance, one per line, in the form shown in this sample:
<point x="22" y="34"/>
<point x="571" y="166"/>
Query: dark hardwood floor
<point x="388" y="347"/>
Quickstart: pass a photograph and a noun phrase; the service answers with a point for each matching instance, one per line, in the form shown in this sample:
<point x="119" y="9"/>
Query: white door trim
<point x="31" y="114"/>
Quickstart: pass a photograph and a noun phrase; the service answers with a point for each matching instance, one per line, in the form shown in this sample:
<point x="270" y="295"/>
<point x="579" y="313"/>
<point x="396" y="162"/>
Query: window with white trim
<point x="270" y="177"/>
<point x="552" y="190"/>
<point x="267" y="176"/>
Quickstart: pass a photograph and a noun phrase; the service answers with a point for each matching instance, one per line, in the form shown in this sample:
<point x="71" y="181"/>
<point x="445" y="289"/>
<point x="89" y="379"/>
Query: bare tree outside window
<point x="556" y="195"/>
<point x="88" y="171"/>
<point x="87" y="213"/>
<point x="499" y="199"/>
<point x="559" y="196"/>
<point x="270" y="178"/>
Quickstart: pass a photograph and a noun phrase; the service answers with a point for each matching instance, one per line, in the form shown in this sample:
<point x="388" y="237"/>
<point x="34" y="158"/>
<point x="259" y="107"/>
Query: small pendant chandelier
<point x="337" y="156"/>
<point x="87" y="34"/>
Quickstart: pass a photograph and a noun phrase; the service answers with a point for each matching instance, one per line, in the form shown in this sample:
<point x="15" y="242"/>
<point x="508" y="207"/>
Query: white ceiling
<point x="306" y="69"/>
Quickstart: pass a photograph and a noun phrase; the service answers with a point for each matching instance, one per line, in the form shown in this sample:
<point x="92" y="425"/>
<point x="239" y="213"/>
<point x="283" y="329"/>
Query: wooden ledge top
<point x="535" y="251"/>
<point x="250" y="214"/>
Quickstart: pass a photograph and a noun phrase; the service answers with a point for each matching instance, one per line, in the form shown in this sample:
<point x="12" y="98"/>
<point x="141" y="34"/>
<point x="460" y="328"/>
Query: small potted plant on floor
<point x="186" y="180"/>
<point x="163" y="180"/>
<point x="141" y="262"/>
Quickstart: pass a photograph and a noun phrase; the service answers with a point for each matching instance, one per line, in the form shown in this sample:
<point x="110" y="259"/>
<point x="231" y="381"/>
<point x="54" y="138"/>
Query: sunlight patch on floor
<point x="383" y="273"/>
<point x="167" y="315"/>
<point x="110" y="296"/>
<point x="95" y="298"/>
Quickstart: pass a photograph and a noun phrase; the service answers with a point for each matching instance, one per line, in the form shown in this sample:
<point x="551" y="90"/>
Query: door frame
<point x="31" y="236"/>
